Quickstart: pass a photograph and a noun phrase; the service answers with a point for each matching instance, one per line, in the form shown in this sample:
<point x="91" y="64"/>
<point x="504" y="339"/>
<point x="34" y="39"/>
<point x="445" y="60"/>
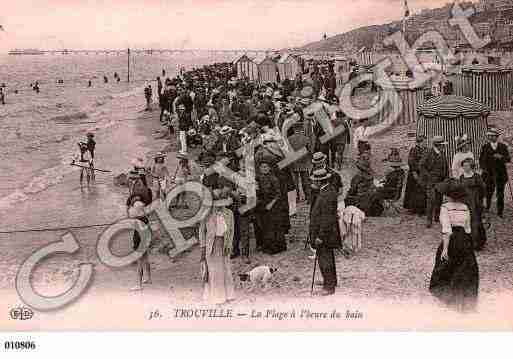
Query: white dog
<point x="258" y="275"/>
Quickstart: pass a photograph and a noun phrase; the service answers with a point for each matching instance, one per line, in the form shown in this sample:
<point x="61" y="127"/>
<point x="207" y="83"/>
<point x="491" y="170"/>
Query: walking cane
<point x="313" y="275"/>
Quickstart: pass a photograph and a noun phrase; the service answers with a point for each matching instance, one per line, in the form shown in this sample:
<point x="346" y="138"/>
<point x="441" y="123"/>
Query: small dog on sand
<point x="258" y="275"/>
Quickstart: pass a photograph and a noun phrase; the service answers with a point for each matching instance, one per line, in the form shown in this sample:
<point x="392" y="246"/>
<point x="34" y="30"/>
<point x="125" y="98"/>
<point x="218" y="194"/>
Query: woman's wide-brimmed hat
<point x="318" y="157"/>
<point x="394" y="158"/>
<point x="221" y="198"/>
<point x="462" y="141"/>
<point x="307" y="92"/>
<point x="456" y="191"/>
<point x="469" y="160"/>
<point x="90" y="134"/>
<point x="268" y="137"/>
<point x="320" y="175"/>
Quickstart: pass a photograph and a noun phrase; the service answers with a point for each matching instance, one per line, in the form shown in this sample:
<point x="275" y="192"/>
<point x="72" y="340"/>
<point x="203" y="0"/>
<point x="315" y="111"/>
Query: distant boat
<point x="26" y="52"/>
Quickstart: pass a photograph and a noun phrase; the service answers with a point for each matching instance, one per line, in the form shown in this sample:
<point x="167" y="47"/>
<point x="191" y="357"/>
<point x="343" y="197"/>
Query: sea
<point x="39" y="131"/>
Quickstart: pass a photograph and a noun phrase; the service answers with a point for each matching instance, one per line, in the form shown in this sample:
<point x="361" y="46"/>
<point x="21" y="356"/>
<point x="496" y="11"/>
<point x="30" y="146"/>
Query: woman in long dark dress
<point x="475" y="189"/>
<point x="270" y="153"/>
<point x="415" y="194"/>
<point x="455" y="277"/>
<point x="269" y="220"/>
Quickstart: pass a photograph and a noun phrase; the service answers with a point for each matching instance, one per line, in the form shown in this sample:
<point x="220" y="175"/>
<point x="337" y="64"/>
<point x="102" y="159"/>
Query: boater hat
<point x="438" y="140"/>
<point x="320" y="175"/>
<point x="182" y="156"/>
<point x="363" y="166"/>
<point x="225" y="130"/>
<point x="318" y="157"/>
<point x="159" y="155"/>
<point x="305" y="101"/>
<point x="394" y="158"/>
<point x="493" y="132"/>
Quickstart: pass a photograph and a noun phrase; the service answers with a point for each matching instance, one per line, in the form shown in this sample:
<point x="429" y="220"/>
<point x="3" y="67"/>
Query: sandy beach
<point x="391" y="271"/>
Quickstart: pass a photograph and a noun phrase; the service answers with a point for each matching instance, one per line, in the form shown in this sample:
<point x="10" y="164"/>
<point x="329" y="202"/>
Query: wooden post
<point x="128" y="64"/>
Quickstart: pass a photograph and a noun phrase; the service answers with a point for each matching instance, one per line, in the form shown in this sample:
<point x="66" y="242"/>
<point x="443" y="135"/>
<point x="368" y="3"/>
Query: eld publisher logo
<point x="21" y="313"/>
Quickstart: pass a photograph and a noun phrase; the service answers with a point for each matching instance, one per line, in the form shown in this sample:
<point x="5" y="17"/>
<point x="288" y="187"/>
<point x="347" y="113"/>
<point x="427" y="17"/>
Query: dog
<point x="258" y="275"/>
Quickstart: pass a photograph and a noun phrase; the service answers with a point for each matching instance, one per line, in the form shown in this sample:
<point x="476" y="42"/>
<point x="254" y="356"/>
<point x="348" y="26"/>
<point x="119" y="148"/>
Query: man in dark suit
<point x="325" y="235"/>
<point x="493" y="159"/>
<point x="434" y="169"/>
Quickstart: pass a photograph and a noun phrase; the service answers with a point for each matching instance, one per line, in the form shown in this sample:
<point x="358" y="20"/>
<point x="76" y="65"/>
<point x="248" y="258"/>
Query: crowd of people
<point x="212" y="112"/>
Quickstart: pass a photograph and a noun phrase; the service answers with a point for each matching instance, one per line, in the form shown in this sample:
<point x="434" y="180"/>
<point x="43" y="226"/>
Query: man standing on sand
<point x="324" y="230"/>
<point x="434" y="170"/>
<point x="184" y="124"/>
<point x="147" y="94"/>
<point x="493" y="159"/>
<point x="2" y="96"/>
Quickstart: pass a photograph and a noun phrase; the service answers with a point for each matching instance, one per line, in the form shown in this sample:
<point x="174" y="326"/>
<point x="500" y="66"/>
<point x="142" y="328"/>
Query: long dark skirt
<point x="478" y="230"/>
<point x="414" y="196"/>
<point x="282" y="205"/>
<point x="455" y="282"/>
<point x="272" y="235"/>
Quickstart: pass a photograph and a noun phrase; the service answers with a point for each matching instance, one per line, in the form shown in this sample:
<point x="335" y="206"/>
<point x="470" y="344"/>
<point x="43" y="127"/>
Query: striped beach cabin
<point x="488" y="84"/>
<point x="288" y="67"/>
<point x="410" y="97"/>
<point x="451" y="116"/>
<point x="267" y="70"/>
<point x="246" y="67"/>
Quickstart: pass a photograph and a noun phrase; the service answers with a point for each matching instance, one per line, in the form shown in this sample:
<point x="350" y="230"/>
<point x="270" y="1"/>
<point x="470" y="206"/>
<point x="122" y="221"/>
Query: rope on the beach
<point x="57" y="229"/>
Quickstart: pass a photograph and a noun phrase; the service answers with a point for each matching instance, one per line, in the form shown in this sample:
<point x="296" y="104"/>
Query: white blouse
<point x="220" y="225"/>
<point x="454" y="214"/>
<point x="457" y="169"/>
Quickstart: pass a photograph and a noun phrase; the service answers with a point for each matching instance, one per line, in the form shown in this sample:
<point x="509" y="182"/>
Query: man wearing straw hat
<point x="324" y="230"/>
<point x="434" y="170"/>
<point x="493" y="159"/>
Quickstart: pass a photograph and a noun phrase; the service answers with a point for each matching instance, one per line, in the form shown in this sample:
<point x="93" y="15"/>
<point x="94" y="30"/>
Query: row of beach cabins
<point x="272" y="69"/>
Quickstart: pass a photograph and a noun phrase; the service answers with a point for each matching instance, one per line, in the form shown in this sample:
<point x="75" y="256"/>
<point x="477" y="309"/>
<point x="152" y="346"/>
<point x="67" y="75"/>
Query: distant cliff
<point x="496" y="22"/>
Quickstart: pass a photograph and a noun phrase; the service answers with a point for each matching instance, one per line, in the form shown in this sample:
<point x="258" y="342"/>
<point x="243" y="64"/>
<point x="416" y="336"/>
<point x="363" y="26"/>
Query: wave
<point x="80" y="115"/>
<point x="56" y="174"/>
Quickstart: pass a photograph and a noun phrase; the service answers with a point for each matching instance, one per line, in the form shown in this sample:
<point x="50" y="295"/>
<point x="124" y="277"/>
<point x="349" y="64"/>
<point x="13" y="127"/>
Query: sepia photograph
<point x="273" y="165"/>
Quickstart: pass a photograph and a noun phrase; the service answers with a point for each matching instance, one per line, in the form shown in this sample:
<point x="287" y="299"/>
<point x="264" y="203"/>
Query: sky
<point x="205" y="24"/>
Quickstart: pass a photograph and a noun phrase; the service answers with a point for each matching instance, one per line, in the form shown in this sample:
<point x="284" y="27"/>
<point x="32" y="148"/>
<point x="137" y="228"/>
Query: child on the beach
<point x="183" y="174"/>
<point x="160" y="175"/>
<point x="135" y="210"/>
